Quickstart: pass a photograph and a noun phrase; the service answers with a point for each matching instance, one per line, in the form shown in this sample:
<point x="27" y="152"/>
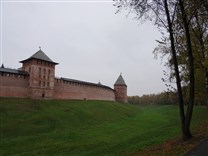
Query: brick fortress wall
<point x="73" y="90"/>
<point x="36" y="79"/>
<point x="14" y="85"/>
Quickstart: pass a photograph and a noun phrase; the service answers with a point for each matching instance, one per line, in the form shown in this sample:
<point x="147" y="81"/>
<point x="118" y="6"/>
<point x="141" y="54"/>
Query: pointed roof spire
<point x="40" y="55"/>
<point x="120" y="80"/>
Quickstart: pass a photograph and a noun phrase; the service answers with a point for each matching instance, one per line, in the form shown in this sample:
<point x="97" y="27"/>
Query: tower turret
<point x="120" y="88"/>
<point x="42" y="73"/>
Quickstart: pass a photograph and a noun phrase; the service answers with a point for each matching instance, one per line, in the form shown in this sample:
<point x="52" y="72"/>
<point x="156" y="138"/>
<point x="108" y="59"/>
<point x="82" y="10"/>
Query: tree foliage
<point x="183" y="25"/>
<point x="164" y="98"/>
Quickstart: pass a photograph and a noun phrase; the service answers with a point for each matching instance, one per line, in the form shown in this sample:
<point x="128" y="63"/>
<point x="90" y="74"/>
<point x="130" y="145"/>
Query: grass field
<point x="61" y="127"/>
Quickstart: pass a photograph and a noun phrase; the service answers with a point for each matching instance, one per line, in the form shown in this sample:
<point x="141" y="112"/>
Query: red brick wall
<point x="120" y="93"/>
<point x="70" y="90"/>
<point x="40" y="71"/>
<point x="12" y="85"/>
<point x="41" y="93"/>
<point x="18" y="86"/>
<point x="41" y="80"/>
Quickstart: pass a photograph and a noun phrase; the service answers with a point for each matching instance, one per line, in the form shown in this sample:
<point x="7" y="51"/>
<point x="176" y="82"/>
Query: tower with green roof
<point x="42" y="74"/>
<point x="120" y="88"/>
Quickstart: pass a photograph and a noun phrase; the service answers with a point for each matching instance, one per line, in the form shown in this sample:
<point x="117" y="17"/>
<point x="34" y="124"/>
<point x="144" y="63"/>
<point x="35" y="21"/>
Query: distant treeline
<point x="163" y="98"/>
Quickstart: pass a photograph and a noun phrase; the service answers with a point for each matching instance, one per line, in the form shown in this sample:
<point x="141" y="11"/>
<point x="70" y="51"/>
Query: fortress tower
<point x="42" y="75"/>
<point x="120" y="88"/>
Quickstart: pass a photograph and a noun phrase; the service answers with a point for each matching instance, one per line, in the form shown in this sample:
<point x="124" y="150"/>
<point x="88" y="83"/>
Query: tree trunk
<point x="191" y="73"/>
<point x="175" y="62"/>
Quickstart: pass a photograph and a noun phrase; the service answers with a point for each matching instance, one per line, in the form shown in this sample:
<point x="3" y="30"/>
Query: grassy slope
<point x="30" y="127"/>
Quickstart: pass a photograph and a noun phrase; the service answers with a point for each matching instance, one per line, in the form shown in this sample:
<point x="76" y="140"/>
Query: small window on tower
<point x="39" y="70"/>
<point x="39" y="83"/>
<point x="49" y="71"/>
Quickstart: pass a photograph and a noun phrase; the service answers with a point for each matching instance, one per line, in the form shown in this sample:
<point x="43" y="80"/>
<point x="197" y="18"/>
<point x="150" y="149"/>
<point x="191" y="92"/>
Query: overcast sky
<point x="88" y="40"/>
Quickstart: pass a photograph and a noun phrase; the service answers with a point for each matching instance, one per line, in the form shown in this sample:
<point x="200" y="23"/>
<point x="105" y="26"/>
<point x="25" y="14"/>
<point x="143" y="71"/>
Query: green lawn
<point x="62" y="127"/>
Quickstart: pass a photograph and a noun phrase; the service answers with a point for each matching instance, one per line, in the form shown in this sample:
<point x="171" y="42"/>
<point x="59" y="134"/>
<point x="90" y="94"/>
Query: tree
<point x="197" y="19"/>
<point x="164" y="98"/>
<point x="199" y="37"/>
<point x="191" y="72"/>
<point x="163" y="14"/>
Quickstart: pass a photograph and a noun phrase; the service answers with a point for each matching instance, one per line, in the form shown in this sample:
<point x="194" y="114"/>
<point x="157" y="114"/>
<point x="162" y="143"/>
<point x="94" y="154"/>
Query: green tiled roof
<point x="40" y="55"/>
<point x="120" y="81"/>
